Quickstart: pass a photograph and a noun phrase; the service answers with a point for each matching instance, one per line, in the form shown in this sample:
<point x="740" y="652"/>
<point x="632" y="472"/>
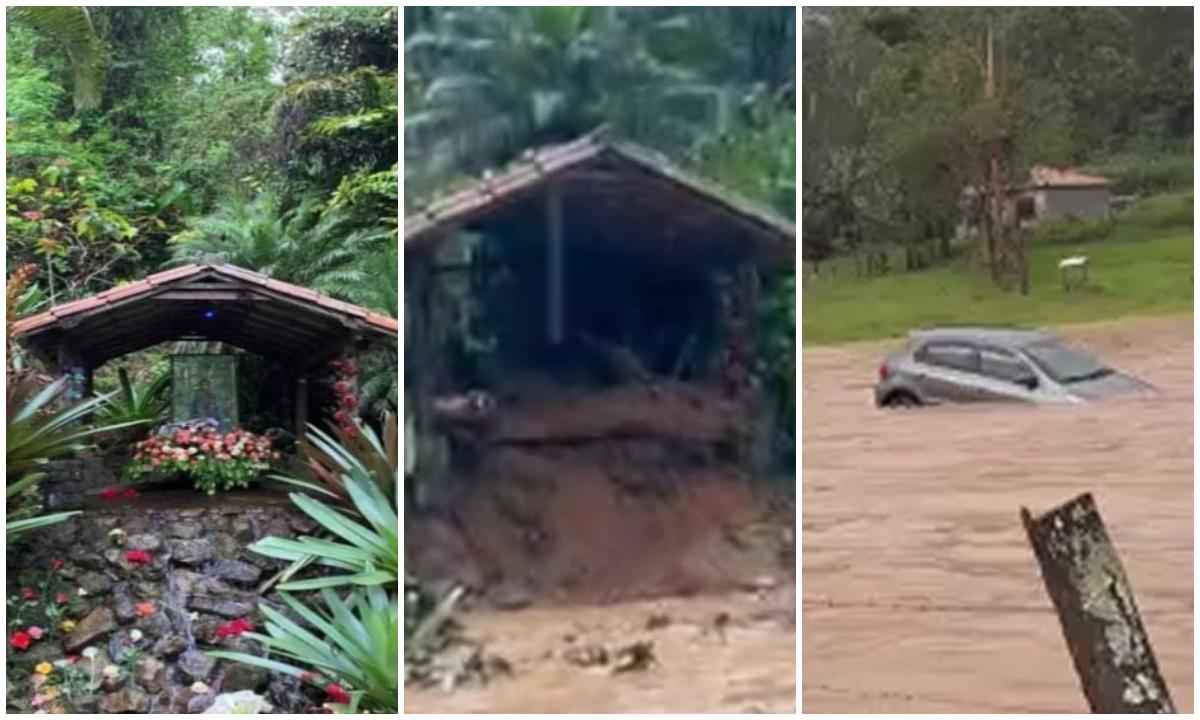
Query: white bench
<point x="1076" y="266"/>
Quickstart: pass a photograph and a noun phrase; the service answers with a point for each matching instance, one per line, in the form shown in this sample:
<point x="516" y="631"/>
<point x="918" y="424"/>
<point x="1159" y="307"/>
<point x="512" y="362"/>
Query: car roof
<point x="1003" y="336"/>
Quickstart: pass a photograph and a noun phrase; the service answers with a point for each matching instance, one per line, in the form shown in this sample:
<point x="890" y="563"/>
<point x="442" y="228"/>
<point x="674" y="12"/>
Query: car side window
<point x="956" y="356"/>
<point x="1002" y="365"/>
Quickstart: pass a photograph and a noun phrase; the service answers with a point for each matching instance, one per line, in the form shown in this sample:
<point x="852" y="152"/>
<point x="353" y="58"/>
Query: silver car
<point x="981" y="364"/>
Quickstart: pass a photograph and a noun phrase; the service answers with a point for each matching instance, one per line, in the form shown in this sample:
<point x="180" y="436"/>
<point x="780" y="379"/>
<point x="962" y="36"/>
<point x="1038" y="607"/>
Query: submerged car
<point x="980" y="364"/>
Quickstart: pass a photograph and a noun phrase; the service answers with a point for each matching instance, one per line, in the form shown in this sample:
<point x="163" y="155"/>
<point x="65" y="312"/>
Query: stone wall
<point x="199" y="576"/>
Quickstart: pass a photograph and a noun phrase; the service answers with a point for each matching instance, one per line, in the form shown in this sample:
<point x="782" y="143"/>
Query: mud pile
<point x="599" y="495"/>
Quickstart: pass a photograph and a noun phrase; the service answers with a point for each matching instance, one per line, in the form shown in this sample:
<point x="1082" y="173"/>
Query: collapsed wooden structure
<point x="593" y="245"/>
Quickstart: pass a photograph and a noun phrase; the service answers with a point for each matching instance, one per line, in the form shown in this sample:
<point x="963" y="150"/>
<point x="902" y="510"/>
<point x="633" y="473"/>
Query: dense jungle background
<point x="142" y="138"/>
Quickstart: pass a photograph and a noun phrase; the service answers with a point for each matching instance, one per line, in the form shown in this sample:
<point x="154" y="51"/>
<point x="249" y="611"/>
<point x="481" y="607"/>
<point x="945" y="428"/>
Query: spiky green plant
<point x="354" y="641"/>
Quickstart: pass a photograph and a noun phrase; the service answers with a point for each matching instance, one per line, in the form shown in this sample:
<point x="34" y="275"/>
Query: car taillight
<point x="883" y="372"/>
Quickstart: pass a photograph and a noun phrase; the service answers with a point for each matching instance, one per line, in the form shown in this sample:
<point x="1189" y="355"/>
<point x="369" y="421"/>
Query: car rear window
<point x="956" y="356"/>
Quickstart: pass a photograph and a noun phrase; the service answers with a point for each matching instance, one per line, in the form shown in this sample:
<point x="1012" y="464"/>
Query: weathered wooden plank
<point x="1094" y="600"/>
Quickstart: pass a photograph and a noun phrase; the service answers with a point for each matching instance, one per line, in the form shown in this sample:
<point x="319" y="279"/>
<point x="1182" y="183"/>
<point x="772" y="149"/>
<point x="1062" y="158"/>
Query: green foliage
<point x="146" y="404"/>
<point x="1148" y="172"/>
<point x="1144" y="267"/>
<point x="899" y="117"/>
<point x="369" y="546"/>
<point x="482" y="84"/>
<point x="1072" y="232"/>
<point x="71" y="29"/>
<point x="352" y="640"/>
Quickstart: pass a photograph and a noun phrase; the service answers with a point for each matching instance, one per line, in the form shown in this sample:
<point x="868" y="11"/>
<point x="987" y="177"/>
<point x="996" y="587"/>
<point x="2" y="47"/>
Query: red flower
<point x="62" y="598"/>
<point x="20" y="640"/>
<point x="28" y="593"/>
<point x="56" y="564"/>
<point x="144" y="609"/>
<point x="110" y="493"/>
<point x="234" y="628"/>
<point x="137" y="557"/>
<point x="336" y="694"/>
<point x="129" y="493"/>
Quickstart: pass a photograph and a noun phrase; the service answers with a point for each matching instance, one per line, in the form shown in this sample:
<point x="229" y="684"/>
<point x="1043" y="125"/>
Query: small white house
<point x="1063" y="193"/>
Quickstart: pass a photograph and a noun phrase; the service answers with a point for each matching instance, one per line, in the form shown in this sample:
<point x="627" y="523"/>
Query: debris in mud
<point x="634" y="658"/>
<point x="589" y="655"/>
<point x="658" y="621"/>
<point x="719" y="623"/>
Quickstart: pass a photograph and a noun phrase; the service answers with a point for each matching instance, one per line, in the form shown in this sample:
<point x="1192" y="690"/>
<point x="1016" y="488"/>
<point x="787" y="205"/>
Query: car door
<point x="1003" y="376"/>
<point x="948" y="371"/>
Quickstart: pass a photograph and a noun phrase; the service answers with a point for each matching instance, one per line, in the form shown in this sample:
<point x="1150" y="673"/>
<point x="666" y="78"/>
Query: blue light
<point x="210" y="314"/>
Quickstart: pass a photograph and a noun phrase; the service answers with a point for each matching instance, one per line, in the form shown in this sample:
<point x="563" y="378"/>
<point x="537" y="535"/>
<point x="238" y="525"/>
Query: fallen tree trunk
<point x="1100" y="621"/>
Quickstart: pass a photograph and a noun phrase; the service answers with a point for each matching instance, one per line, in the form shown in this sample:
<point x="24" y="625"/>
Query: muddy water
<point x="745" y="665"/>
<point x="920" y="593"/>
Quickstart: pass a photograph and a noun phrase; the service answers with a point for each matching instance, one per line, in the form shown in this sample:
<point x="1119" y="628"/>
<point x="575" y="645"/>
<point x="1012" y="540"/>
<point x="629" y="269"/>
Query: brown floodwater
<point x="746" y="664"/>
<point x="920" y="592"/>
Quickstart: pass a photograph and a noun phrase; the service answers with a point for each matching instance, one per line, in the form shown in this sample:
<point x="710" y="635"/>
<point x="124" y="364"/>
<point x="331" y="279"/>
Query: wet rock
<point x="586" y="655"/>
<point x="99" y="622"/>
<point x="145" y="541"/>
<point x="123" y="604"/>
<point x="227" y="547"/>
<point x="148" y="589"/>
<point x="632" y="658"/>
<point x="170" y="645"/>
<point x="199" y="704"/>
<point x="302" y="524"/>
<point x="243" y="531"/>
<point x="235" y="571"/>
<point x="195" y="665"/>
<point x="156" y="625"/>
<point x="223" y="605"/>
<point x="286" y="693"/>
<point x="128" y="700"/>
<point x="186" y="529"/>
<point x="240" y="676"/>
<point x="658" y="621"/>
<point x="190" y="552"/>
<point x="150" y="673"/>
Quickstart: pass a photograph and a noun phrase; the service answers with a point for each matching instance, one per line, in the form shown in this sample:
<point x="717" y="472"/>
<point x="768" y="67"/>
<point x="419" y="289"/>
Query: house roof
<point x="211" y="302"/>
<point x="615" y="185"/>
<point x="1044" y="176"/>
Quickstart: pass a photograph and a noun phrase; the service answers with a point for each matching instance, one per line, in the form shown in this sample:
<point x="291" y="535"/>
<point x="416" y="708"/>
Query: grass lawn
<point x="1144" y="266"/>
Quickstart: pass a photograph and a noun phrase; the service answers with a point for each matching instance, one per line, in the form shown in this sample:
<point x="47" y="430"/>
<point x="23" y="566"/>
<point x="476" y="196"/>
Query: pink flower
<point x="28" y="593"/>
<point x="32" y="215"/>
<point x="36" y="632"/>
<point x="62" y="598"/>
<point x="336" y="694"/>
<point x="56" y="565"/>
<point x="20" y="640"/>
<point x="137" y="557"/>
<point x="234" y="628"/>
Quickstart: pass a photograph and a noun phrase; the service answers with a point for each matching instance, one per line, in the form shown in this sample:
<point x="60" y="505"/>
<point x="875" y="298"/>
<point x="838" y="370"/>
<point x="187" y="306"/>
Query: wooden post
<point x="555" y="290"/>
<point x="301" y="408"/>
<point x="1100" y="621"/>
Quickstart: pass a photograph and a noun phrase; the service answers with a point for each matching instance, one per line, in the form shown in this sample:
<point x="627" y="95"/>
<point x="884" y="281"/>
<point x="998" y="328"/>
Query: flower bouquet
<point x="214" y="460"/>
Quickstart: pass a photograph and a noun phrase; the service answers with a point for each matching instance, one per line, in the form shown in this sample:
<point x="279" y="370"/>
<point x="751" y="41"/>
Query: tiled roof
<point x="537" y="167"/>
<point x="1046" y="176"/>
<point x="134" y="297"/>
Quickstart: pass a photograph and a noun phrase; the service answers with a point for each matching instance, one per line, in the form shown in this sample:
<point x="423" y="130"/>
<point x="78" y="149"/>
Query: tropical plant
<point x="36" y="434"/>
<point x="148" y="403"/>
<point x="369" y="533"/>
<point x="255" y="234"/>
<point x="352" y="641"/>
<point x="72" y="29"/>
<point x="358" y="451"/>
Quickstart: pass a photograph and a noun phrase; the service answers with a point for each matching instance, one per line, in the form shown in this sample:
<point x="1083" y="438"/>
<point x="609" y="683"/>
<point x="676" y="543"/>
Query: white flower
<point x="90" y="652"/>
<point x="62" y="663"/>
<point x="135" y="634"/>
<point x="82" y="592"/>
<point x="199" y="688"/>
<point x="111" y="671"/>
